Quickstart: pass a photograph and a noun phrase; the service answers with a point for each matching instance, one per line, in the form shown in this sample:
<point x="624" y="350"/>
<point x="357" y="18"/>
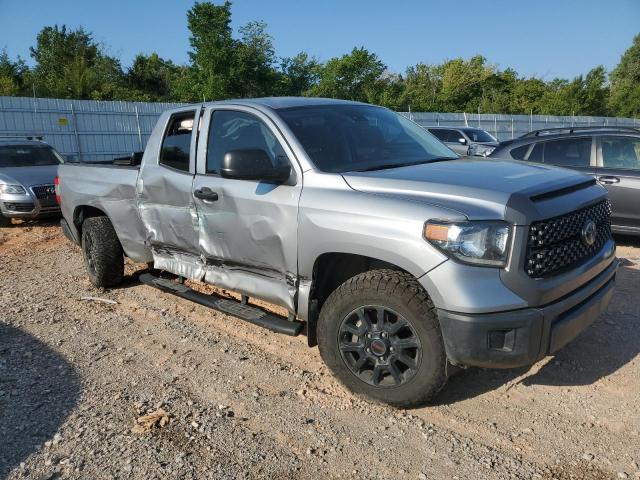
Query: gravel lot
<point x="242" y="402"/>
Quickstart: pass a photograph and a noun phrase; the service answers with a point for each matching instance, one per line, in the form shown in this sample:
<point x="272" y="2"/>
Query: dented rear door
<point x="248" y="235"/>
<point x="164" y="195"/>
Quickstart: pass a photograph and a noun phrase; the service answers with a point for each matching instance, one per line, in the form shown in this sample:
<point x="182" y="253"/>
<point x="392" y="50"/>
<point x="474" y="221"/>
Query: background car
<point x="611" y="154"/>
<point x="466" y="140"/>
<point x="27" y="171"/>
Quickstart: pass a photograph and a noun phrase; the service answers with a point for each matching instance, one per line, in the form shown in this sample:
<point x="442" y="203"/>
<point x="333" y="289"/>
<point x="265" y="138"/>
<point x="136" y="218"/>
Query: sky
<point x="542" y="38"/>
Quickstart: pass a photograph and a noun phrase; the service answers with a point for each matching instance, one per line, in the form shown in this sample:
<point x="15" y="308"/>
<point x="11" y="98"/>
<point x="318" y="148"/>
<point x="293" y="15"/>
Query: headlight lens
<point x="13" y="189"/>
<point x="483" y="150"/>
<point x="477" y="243"/>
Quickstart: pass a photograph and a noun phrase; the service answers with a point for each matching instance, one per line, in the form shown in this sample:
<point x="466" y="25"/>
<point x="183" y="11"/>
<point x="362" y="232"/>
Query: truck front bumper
<point x="521" y="337"/>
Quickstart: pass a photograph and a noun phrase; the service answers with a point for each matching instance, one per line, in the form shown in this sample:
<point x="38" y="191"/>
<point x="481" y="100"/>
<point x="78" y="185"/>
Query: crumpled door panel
<point x="248" y="237"/>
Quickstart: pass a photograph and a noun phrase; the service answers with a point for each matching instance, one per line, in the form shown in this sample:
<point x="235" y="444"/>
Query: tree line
<point x="69" y="63"/>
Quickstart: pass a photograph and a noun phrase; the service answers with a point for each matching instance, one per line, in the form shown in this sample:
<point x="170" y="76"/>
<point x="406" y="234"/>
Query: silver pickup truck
<point x="395" y="256"/>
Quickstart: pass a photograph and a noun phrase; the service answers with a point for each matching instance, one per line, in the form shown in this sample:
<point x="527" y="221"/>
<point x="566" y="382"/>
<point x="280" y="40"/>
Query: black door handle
<point x="608" y="179"/>
<point x="206" y="194"/>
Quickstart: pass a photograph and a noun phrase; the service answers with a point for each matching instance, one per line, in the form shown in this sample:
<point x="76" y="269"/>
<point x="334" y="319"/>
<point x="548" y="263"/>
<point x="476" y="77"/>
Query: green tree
<point x="354" y="76"/>
<point x="12" y="75"/>
<point x="297" y="74"/>
<point x="212" y="51"/>
<point x="625" y="83"/>
<point x="69" y="64"/>
<point x="151" y="78"/>
<point x="253" y="73"/>
<point x="596" y="93"/>
<point x="421" y="88"/>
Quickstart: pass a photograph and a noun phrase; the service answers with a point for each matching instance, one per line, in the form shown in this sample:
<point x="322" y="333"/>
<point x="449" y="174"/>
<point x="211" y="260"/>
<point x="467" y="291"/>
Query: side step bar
<point x="248" y="313"/>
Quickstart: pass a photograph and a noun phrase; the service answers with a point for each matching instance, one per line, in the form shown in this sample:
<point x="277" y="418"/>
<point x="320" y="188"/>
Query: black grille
<point x="19" y="207"/>
<point x="557" y="244"/>
<point x="44" y="191"/>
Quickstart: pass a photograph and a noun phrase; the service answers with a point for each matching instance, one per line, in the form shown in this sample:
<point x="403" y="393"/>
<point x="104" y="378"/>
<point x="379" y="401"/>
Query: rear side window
<point x="621" y="152"/>
<point x="520" y="152"/>
<point x="176" y="144"/>
<point x="231" y="130"/>
<point x="572" y="152"/>
<point x="536" y="153"/>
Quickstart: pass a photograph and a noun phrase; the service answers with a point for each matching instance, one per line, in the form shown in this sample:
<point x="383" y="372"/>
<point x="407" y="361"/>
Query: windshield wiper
<point x="386" y="166"/>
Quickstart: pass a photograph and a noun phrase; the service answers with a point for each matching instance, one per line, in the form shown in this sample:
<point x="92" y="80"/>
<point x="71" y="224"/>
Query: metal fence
<point x="82" y="129"/>
<point x="92" y="130"/>
<point x="505" y="127"/>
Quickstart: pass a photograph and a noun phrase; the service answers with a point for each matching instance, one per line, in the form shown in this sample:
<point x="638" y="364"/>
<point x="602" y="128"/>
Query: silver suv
<point x="27" y="171"/>
<point x="466" y="140"/>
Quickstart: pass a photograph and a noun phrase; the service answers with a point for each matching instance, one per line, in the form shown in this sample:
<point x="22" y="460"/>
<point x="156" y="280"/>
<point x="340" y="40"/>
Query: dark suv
<point x="611" y="154"/>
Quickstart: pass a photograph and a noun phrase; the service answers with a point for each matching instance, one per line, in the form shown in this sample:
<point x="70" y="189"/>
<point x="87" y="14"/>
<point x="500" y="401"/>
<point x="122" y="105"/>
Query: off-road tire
<point x="401" y="293"/>
<point x="4" y="221"/>
<point x="102" y="252"/>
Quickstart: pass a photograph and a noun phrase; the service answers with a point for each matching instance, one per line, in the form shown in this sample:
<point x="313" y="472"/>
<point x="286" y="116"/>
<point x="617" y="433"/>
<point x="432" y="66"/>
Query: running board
<point x="248" y="313"/>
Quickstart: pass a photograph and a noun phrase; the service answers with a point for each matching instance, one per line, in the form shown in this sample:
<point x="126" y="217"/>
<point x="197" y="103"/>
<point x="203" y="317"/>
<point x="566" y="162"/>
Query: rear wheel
<point x="378" y="332"/>
<point x="103" y="256"/>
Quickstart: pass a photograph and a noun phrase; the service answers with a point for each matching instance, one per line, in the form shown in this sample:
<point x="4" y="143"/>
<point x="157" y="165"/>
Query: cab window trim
<point x="196" y="118"/>
<point x="274" y="131"/>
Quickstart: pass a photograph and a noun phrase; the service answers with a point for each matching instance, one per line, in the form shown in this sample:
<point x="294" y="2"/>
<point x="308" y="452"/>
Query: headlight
<point x="483" y="150"/>
<point x="14" y="189"/>
<point x="479" y="243"/>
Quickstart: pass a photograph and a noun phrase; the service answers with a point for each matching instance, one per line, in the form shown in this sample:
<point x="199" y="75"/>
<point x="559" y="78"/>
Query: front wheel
<point x="4" y="221"/>
<point x="103" y="256"/>
<point x="379" y="334"/>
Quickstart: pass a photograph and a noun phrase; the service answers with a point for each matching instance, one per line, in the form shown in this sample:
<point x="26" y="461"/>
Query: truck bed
<point x="111" y="189"/>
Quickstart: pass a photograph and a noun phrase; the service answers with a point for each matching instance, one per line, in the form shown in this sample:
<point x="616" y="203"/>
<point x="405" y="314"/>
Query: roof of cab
<point x="277" y="103"/>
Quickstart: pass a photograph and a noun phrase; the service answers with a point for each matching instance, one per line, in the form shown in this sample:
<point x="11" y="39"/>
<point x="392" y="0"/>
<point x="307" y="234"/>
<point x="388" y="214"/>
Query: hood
<point x="479" y="189"/>
<point x="29" y="176"/>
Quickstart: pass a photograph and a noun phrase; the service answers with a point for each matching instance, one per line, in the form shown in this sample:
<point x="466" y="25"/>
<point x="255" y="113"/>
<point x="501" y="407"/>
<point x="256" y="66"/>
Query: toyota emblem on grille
<point x="589" y="232"/>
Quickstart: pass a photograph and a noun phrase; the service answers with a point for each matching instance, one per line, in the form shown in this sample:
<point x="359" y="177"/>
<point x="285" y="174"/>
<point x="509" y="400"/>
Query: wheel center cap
<point x="378" y="347"/>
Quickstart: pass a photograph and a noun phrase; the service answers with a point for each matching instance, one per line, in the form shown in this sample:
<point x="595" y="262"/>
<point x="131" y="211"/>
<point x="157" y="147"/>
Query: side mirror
<point x="252" y="164"/>
<point x="463" y="141"/>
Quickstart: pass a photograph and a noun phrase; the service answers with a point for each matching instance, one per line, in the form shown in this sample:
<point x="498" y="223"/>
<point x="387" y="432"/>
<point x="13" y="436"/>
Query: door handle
<point x="205" y="194"/>
<point x="608" y="179"/>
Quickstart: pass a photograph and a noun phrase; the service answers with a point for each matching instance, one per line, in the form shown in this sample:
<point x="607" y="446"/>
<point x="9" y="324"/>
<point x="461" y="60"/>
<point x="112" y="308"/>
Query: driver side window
<point x="233" y="130"/>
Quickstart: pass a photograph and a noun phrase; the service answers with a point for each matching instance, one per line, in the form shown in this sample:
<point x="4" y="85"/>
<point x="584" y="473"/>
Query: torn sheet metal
<point x="180" y="263"/>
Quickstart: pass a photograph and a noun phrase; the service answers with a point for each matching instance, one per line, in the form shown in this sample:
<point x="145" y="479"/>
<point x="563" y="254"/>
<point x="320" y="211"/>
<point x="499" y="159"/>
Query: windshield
<point x="28" y="156"/>
<point x="477" y="135"/>
<point x="342" y="138"/>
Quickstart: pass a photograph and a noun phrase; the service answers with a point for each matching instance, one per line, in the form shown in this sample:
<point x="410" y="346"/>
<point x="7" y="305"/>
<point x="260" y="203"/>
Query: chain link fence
<point x="93" y="130"/>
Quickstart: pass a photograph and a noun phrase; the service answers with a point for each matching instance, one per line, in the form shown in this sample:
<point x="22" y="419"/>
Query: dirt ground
<point x="242" y="402"/>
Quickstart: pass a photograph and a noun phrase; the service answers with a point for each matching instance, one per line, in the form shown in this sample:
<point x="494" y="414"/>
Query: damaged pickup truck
<point x="395" y="256"/>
